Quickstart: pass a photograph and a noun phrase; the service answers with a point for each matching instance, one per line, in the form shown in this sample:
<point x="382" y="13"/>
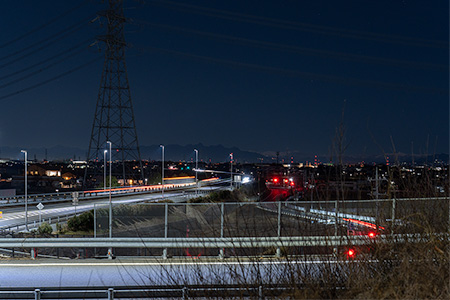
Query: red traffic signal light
<point x="351" y="253"/>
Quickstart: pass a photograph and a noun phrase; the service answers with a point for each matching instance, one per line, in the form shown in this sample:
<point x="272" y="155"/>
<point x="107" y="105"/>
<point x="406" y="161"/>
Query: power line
<point x="64" y="59"/>
<point x="44" y="25"/>
<point x="297" y="49"/>
<point x="306" y="27"/>
<point x="65" y="51"/>
<point x="50" y="79"/>
<point x="63" y="34"/>
<point x="306" y="75"/>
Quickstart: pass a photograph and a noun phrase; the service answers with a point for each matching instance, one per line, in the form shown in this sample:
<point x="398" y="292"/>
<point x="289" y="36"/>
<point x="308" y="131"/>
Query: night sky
<point x="258" y="75"/>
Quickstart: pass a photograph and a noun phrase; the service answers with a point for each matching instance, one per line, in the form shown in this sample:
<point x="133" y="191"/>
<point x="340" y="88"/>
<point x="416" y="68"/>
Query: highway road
<point x="15" y="216"/>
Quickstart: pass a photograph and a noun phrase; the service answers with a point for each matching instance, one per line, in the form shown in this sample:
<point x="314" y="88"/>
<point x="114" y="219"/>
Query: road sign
<point x="75" y="198"/>
<point x="40" y="206"/>
<point x="1" y="214"/>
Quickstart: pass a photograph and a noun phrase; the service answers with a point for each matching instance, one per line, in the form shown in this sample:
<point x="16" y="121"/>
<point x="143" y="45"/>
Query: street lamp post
<point x="196" y="171"/>
<point x="110" y="202"/>
<point x="231" y="170"/>
<point x="162" y="170"/>
<point x="104" y="169"/>
<point x="110" y="255"/>
<point x="26" y="188"/>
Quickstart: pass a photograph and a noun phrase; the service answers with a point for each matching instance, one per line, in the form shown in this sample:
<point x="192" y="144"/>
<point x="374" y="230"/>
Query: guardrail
<point x="253" y="291"/>
<point x="369" y="213"/>
<point x="218" y="224"/>
<point x="224" y="242"/>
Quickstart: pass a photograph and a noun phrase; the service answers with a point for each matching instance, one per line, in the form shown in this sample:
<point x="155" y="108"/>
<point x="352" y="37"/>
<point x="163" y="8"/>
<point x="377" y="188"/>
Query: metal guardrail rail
<point x="214" y="242"/>
<point x="253" y="291"/>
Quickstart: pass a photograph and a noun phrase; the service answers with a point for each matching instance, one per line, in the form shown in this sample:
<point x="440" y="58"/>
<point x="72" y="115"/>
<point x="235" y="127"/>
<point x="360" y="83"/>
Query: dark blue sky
<point x="258" y="75"/>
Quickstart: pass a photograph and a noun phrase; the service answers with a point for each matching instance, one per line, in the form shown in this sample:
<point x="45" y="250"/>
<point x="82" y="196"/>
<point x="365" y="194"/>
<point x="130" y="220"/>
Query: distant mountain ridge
<point x="215" y="153"/>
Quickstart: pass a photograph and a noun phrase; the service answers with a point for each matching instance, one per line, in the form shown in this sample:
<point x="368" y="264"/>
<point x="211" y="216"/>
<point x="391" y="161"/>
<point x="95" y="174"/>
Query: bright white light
<point x="246" y="180"/>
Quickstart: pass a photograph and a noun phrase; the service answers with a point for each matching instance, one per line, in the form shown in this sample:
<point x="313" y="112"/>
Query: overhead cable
<point x="302" y="50"/>
<point x="44" y="25"/>
<point x="306" y="75"/>
<point x="300" y="26"/>
<point x="44" y="82"/>
<point x="44" y="43"/>
<point x="54" y="56"/>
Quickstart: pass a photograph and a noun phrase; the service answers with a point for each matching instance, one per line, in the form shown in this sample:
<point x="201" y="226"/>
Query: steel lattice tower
<point x="114" y="116"/>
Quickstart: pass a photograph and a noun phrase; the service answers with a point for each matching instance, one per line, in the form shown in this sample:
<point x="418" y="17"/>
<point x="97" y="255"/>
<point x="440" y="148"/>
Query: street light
<point x="162" y="170"/>
<point x="26" y="188"/>
<point x="104" y="169"/>
<point x="231" y="170"/>
<point x="110" y="255"/>
<point x="110" y="203"/>
<point x="196" y="170"/>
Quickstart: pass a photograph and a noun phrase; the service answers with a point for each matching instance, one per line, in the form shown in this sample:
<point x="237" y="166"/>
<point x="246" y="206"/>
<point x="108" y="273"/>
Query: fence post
<point x="95" y="222"/>
<point x="393" y="214"/>
<point x="37" y="294"/>
<point x="166" y="226"/>
<point x="278" y="253"/>
<point x="110" y="294"/>
<point x="222" y="212"/>
<point x="185" y="293"/>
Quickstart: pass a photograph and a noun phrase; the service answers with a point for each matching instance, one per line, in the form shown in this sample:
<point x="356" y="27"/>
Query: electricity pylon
<point x="114" y="116"/>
